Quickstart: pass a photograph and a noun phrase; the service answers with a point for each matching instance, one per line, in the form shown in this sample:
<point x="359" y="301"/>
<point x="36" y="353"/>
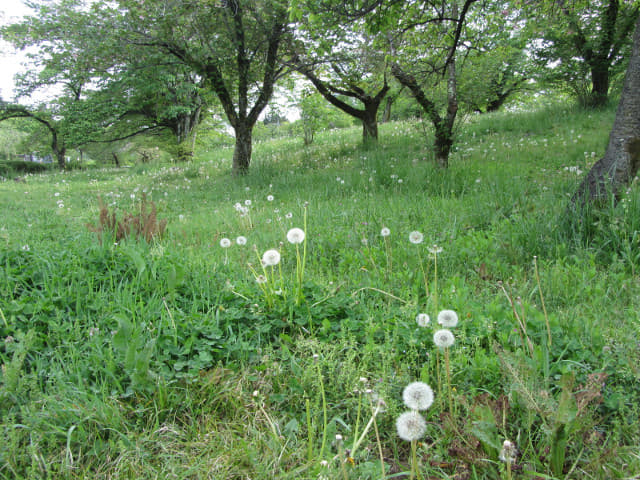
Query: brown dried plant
<point x="143" y="224"/>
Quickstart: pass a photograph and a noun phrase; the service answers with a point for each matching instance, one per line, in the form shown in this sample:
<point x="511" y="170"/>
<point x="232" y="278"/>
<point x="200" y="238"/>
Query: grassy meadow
<point x="177" y="356"/>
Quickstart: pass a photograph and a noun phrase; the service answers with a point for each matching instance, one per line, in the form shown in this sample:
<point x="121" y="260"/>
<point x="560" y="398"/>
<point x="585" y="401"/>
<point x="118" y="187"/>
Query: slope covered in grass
<point x="181" y="358"/>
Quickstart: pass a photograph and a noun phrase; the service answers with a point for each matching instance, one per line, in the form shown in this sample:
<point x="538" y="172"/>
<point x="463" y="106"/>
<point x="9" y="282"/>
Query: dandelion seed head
<point x="508" y="452"/>
<point x="435" y="249"/>
<point x="225" y="243"/>
<point x="417" y="396"/>
<point x="241" y="240"/>
<point x="295" y="235"/>
<point x="422" y="319"/>
<point x="385" y="232"/>
<point x="416" y="237"/>
<point x="448" y="318"/>
<point x="269" y="198"/>
<point x="443" y="338"/>
<point x="271" y="258"/>
<point x="411" y="426"/>
<point x="261" y="279"/>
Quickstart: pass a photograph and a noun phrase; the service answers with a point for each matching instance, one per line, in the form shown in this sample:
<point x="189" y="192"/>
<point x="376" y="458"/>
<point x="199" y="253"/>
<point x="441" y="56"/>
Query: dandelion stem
<point x="448" y="372"/>
<point x="544" y="308"/>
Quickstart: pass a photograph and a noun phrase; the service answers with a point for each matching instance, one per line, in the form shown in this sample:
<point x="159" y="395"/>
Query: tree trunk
<point x="620" y="163"/>
<point x="242" y="151"/>
<point x="60" y="155"/>
<point x="600" y="85"/>
<point x="370" y="122"/>
<point x="386" y="115"/>
<point x="115" y="159"/>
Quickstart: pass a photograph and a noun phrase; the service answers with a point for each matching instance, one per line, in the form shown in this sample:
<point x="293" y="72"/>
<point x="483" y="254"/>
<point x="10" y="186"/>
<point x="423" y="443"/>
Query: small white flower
<point x="295" y="235"/>
<point x="448" y="318"/>
<point x="269" y="198"/>
<point x="443" y="338"/>
<point x="417" y="396"/>
<point x="289" y="215"/>
<point x="271" y="258"/>
<point x="385" y="232"/>
<point x="241" y="240"/>
<point x="26" y="248"/>
<point x="422" y="319"/>
<point x="411" y="426"/>
<point x="247" y="203"/>
<point x="416" y="237"/>
<point x="225" y="243"/>
<point x="261" y="279"/>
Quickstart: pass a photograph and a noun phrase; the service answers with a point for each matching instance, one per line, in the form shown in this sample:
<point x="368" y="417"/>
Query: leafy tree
<point x="344" y="63"/>
<point x="587" y="44"/>
<point x="106" y="90"/>
<point x="421" y="63"/>
<point x="621" y="161"/>
<point x="235" y="46"/>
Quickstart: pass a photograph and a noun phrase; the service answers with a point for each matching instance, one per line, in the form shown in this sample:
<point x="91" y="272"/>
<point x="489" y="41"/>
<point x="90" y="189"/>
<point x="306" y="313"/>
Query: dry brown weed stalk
<point x="142" y="224"/>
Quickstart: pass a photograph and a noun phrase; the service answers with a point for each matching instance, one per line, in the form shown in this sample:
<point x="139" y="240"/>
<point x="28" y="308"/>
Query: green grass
<point x="168" y="360"/>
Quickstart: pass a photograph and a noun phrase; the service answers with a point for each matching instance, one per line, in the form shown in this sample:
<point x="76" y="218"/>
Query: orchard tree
<point x="103" y="92"/>
<point x="586" y="42"/>
<point x="610" y="175"/>
<point x="344" y="63"/>
<point x="235" y="46"/>
<point x="421" y="63"/>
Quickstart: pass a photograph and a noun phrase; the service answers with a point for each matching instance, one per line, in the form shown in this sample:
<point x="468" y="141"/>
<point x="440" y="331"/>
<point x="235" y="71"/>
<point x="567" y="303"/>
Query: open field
<point x="179" y="358"/>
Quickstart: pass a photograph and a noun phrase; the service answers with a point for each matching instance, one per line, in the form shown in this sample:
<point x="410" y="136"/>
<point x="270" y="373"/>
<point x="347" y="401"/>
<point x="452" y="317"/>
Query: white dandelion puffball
<point x="225" y="243"/>
<point x="271" y="258"/>
<point x="416" y="237"/>
<point x="443" y="338"/>
<point x="241" y="240"/>
<point x="269" y="198"/>
<point x="295" y="235"/>
<point x="385" y="232"/>
<point x="261" y="279"/>
<point x="448" y="318"/>
<point x="422" y="319"/>
<point x="417" y="396"/>
<point x="508" y="453"/>
<point x="435" y="249"/>
<point x="411" y="426"/>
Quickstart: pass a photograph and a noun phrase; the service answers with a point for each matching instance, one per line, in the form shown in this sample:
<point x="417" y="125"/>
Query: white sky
<point x="10" y="60"/>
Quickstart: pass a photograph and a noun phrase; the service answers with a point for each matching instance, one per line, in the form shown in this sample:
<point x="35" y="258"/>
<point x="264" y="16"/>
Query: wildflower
<point x="241" y="240"/>
<point x="26" y="248"/>
<point x="261" y="279"/>
<point x="422" y="319"/>
<point x="411" y="426"/>
<point x="416" y="237"/>
<point x="508" y="452"/>
<point x="288" y="215"/>
<point x="443" y="338"/>
<point x="448" y="318"/>
<point x="225" y="243"/>
<point x="295" y="235"/>
<point x="417" y="396"/>
<point x="271" y="258"/>
<point x="385" y="232"/>
<point x="247" y="203"/>
<point x="269" y="198"/>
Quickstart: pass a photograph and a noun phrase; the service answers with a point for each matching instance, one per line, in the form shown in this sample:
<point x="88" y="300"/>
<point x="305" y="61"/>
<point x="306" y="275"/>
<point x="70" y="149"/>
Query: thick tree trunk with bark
<point x="242" y="151"/>
<point x="621" y="161"/>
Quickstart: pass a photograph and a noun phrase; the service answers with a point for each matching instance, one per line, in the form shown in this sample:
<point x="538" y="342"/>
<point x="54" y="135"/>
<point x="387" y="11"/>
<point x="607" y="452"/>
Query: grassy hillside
<point x="178" y="357"/>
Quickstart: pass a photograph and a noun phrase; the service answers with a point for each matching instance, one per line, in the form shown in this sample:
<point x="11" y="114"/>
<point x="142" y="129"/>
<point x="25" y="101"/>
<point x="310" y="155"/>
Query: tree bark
<point x="619" y="165"/>
<point x="242" y="151"/>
